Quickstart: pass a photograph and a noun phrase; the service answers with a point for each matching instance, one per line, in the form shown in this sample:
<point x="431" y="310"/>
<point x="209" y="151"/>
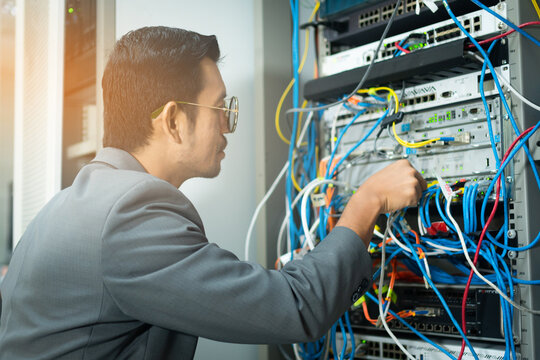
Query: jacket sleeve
<point x="159" y="268"/>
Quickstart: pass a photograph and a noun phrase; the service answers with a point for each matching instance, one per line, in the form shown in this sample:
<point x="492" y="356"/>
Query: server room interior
<point x="459" y="280"/>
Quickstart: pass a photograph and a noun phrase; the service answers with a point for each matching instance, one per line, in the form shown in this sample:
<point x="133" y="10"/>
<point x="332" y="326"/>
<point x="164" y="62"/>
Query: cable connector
<point x="427" y="311"/>
<point x="397" y="118"/>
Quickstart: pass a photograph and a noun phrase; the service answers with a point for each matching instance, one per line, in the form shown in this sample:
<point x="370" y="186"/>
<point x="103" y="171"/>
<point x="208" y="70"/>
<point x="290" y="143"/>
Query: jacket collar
<point x="119" y="159"/>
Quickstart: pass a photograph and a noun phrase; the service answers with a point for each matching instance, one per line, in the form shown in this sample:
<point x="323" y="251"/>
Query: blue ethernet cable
<point x="513" y="26"/>
<point x="443" y="302"/>
<point x="379" y="121"/>
<point x="465" y="206"/>
<point x="473" y="204"/>
<point x="441" y="213"/>
<point x="497" y="160"/>
<point x="289" y="187"/>
<point x="338" y="141"/>
<point x="416" y="332"/>
<point x="333" y="338"/>
<point x="494" y="74"/>
<point x="351" y="333"/>
<point x="344" y="336"/>
<point x="494" y="181"/>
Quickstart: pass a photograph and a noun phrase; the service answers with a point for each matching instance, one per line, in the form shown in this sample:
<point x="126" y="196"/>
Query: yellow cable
<point x="295" y="183"/>
<point x="278" y="110"/>
<point x="396" y="99"/>
<point x="288" y="88"/>
<point x="535" y="4"/>
<point x="374" y="90"/>
<point x="408" y="144"/>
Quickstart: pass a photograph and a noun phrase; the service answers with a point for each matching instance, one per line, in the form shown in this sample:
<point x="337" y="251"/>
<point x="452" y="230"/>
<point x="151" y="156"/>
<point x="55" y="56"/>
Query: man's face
<point x="206" y="142"/>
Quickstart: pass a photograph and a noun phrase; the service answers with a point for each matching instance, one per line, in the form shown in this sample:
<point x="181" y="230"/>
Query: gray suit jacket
<point x="118" y="266"/>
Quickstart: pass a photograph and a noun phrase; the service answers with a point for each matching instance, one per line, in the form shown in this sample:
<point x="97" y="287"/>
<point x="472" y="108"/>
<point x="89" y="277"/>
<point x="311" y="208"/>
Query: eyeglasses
<point x="230" y="109"/>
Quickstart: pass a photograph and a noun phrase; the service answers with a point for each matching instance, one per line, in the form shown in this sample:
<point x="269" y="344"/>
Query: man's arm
<point x="159" y="268"/>
<point x="397" y="186"/>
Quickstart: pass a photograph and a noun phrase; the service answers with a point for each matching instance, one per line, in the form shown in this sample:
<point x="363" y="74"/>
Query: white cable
<point x="507" y="84"/>
<point x="304" y="129"/>
<point x="428" y="272"/>
<point x="406" y="248"/>
<point x="308" y="189"/>
<point x="442" y="247"/>
<point x="471" y="264"/>
<point x="421" y="227"/>
<point x="259" y="207"/>
<point x="378" y="234"/>
<point x="379" y="295"/>
<point x="521" y="97"/>
<point x="296" y="352"/>
<point x="285" y="224"/>
<point x="281" y="233"/>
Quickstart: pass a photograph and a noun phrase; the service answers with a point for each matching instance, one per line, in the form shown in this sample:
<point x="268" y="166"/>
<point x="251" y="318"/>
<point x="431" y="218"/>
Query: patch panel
<point x="478" y="23"/>
<point x="374" y="347"/>
<point x="483" y="322"/>
<point x="438" y="94"/>
<point x="466" y="122"/>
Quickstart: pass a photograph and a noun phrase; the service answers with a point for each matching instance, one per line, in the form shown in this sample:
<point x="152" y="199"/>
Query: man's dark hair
<point x="147" y="68"/>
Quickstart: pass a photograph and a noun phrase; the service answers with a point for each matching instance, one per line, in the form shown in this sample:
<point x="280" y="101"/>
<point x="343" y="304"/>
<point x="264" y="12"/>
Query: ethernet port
<point x="446" y="329"/>
<point x="424" y="99"/>
<point x="455" y="330"/>
<point x="429" y="327"/>
<point x="421" y="327"/>
<point x="467" y="22"/>
<point x="431" y="97"/>
<point x="477" y="23"/>
<point x="437" y="328"/>
<point x="430" y="36"/>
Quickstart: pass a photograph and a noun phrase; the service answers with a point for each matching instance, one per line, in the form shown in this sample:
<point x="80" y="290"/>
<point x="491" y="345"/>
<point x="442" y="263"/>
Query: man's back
<point x="55" y="301"/>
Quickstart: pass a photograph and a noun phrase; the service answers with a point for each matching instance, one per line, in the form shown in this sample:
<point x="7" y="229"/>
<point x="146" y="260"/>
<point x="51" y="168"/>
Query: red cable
<point x="505" y="34"/>
<point x="400" y="48"/>
<point x="491" y="216"/>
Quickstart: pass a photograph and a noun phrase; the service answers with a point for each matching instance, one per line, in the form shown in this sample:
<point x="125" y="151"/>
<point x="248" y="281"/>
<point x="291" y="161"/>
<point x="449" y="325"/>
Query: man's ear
<point x="169" y="121"/>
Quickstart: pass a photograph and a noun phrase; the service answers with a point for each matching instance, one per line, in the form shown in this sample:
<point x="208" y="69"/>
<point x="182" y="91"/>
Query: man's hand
<point x="397" y="186"/>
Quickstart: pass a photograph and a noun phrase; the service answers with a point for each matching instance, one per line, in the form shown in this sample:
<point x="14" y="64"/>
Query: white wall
<point x="227" y="202"/>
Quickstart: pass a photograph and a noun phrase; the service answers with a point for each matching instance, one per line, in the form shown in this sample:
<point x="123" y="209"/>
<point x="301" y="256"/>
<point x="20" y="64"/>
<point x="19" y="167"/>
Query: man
<point x="118" y="265"/>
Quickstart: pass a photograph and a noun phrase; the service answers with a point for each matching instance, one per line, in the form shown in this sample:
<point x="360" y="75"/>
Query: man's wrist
<point x="361" y="214"/>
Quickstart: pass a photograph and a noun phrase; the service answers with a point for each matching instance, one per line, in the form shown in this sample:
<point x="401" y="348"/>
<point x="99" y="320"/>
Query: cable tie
<point x="360" y="301"/>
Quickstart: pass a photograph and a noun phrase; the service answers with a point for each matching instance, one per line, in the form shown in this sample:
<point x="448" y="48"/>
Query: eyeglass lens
<point x="232" y="114"/>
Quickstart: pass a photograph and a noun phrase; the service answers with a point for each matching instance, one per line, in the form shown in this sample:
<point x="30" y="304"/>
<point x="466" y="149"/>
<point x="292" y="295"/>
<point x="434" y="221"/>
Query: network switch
<point x="478" y="23"/>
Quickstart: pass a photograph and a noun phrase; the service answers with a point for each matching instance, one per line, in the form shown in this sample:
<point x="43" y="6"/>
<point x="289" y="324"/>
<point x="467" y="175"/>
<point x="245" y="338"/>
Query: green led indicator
<point x="423" y="172"/>
<point x="70" y="10"/>
<point x="461" y="168"/>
